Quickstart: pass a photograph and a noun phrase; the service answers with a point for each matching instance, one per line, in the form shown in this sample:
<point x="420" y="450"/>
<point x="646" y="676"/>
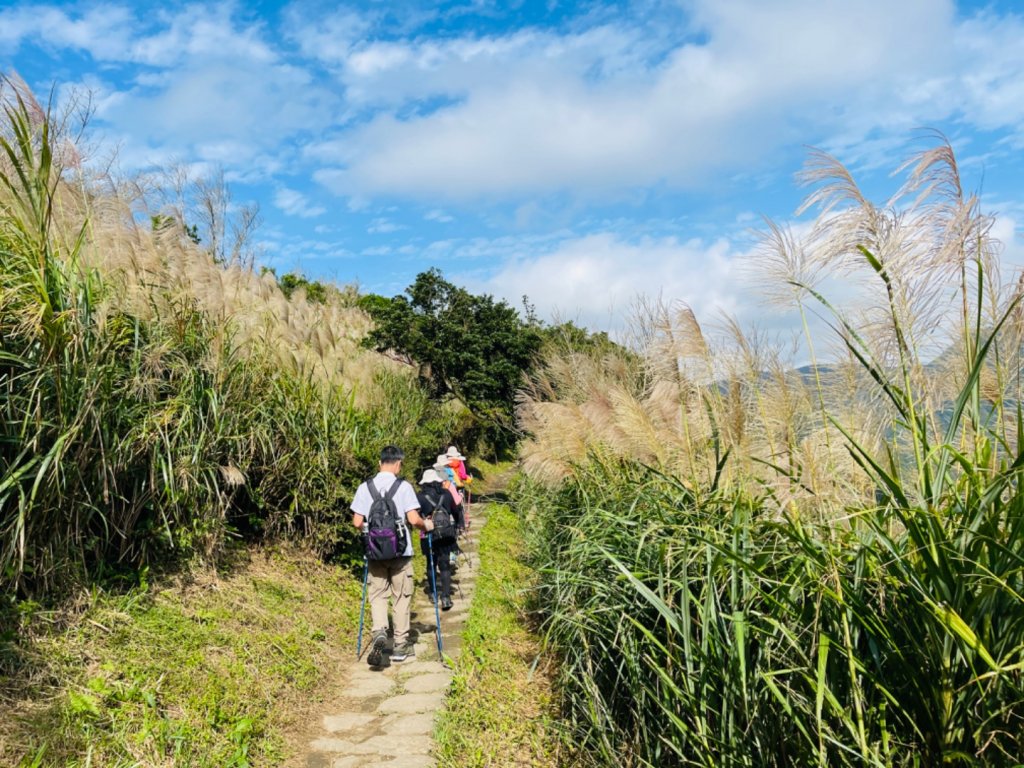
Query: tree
<point x="204" y="208"/>
<point x="316" y="292"/>
<point x="228" y="228"/>
<point x="473" y="347"/>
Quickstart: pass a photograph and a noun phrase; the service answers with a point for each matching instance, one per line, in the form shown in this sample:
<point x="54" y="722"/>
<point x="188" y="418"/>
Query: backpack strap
<point x="374" y="493"/>
<point x="398" y="517"/>
<point x="434" y="503"/>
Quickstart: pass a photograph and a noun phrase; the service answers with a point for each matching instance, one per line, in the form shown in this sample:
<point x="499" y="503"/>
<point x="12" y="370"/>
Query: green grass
<point x="486" y="471"/>
<point x="213" y="673"/>
<point x="499" y="705"/>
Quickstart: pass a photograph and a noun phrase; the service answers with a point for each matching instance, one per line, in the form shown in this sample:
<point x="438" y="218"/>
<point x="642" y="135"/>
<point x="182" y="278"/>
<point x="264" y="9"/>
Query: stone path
<point x="385" y="718"/>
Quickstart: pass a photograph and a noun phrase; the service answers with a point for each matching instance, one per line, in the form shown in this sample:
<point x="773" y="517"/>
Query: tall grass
<point x="768" y="567"/>
<point x="154" y="402"/>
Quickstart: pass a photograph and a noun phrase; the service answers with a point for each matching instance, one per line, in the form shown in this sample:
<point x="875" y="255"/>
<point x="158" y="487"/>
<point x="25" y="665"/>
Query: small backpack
<point x="386" y="536"/>
<point x="444" y="525"/>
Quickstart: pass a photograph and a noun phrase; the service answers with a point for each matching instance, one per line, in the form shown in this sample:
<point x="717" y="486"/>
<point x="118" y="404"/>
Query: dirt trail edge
<point x="385" y="718"/>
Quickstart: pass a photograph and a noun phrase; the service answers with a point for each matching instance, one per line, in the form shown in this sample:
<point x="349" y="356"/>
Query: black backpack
<point x="386" y="536"/>
<point x="444" y="525"/>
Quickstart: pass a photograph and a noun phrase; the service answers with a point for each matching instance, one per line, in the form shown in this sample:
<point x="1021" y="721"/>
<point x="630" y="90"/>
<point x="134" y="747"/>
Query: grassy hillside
<point x="217" y="669"/>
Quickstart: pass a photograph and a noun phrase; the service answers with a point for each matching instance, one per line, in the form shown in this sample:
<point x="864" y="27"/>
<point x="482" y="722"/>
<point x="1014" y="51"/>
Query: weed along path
<point x="385" y="718"/>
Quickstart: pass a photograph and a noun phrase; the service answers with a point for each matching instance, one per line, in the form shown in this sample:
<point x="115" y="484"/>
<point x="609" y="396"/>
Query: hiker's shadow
<point x="422" y="621"/>
<point x="418" y="627"/>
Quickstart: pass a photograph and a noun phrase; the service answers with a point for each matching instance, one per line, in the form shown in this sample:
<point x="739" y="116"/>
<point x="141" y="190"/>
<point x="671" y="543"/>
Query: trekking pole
<point x="362" y="607"/>
<point x="433" y="584"/>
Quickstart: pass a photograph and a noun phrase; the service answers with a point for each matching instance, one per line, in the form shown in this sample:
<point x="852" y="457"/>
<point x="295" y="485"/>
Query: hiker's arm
<point x="424" y="524"/>
<point x="360" y="506"/>
<point x="457" y="514"/>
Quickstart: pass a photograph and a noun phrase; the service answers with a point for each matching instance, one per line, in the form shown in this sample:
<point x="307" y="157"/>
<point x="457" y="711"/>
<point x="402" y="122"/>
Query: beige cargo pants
<point x="390" y="578"/>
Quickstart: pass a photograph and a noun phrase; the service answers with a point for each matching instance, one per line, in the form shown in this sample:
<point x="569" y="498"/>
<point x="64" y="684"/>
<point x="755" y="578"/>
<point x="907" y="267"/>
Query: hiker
<point x="457" y="463"/>
<point x="441" y="466"/>
<point x="461" y="479"/>
<point x="446" y="473"/>
<point x="389" y="552"/>
<point x="436" y="505"/>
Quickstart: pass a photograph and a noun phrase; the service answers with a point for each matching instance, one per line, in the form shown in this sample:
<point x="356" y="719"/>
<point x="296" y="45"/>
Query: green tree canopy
<point x="473" y="347"/>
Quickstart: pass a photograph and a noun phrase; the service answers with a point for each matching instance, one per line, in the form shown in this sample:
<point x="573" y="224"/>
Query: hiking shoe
<point x="446" y="603"/>
<point x="403" y="652"/>
<point x="377" y="658"/>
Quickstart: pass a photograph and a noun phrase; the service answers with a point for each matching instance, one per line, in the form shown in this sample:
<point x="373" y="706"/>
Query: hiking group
<point x="385" y="508"/>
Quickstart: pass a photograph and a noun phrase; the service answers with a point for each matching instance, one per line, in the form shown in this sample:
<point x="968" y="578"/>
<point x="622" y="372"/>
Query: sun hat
<point x="430" y="476"/>
<point x="442" y="462"/>
<point x="453" y="453"/>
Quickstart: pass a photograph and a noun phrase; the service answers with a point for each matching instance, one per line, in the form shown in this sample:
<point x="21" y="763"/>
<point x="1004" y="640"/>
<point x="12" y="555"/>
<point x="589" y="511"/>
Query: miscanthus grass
<point x="743" y="563"/>
<point x="155" y="401"/>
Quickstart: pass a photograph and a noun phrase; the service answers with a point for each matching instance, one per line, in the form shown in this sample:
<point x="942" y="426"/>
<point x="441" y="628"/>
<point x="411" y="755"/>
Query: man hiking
<point x="384" y="508"/>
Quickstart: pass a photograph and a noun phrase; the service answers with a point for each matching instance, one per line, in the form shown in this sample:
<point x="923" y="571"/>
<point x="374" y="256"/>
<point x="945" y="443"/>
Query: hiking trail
<point x="384" y="718"/>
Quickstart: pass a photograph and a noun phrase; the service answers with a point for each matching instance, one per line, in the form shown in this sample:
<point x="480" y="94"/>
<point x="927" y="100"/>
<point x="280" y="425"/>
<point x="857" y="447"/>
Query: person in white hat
<point x="441" y="466"/>
<point x="434" y="500"/>
<point x="457" y="462"/>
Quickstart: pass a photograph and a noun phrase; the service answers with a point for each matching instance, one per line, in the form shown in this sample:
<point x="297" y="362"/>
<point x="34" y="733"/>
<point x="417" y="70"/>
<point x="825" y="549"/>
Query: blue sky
<point x="579" y="153"/>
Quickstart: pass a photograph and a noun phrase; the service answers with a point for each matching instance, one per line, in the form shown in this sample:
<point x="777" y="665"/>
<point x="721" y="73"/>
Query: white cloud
<point x="609" y="106"/>
<point x="596" y="279"/>
<point x="327" y="38"/>
<point x="439" y="216"/>
<point x="203" y="31"/>
<point x="382" y="226"/>
<point x="607" y="109"/>
<point x="221" y="110"/>
<point x="101" y="30"/>
<point x="296" y="204"/>
<point x="991" y="59"/>
<point x="1009" y="231"/>
<point x="202" y="82"/>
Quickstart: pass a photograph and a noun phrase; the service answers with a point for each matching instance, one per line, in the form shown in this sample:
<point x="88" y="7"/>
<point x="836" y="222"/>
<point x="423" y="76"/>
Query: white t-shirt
<point x="405" y="501"/>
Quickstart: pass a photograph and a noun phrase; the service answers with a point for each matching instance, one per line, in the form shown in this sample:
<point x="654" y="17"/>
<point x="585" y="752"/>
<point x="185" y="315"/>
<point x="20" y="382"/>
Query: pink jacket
<point x="455" y="493"/>
<point x="460" y="471"/>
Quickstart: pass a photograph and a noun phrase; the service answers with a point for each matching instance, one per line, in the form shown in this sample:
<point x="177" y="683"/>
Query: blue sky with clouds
<point x="579" y="153"/>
